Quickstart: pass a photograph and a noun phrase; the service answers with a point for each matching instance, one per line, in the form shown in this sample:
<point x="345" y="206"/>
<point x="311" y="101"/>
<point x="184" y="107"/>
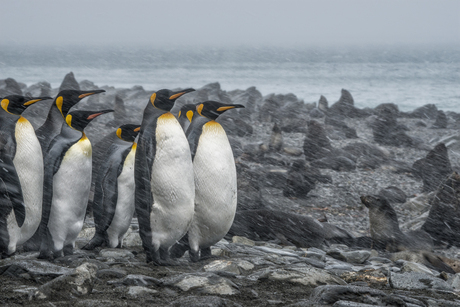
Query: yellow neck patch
<point x="152" y="98"/>
<point x="200" y="108"/>
<point x="190" y="115"/>
<point x="134" y="146"/>
<point x="22" y="120"/>
<point x="119" y="133"/>
<point x="68" y="120"/>
<point x="5" y="103"/>
<point x="59" y="102"/>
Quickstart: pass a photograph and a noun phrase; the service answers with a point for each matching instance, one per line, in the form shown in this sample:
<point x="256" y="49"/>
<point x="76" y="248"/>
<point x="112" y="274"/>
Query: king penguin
<point x="21" y="174"/>
<point x="64" y="100"/>
<point x="215" y="182"/>
<point x="185" y="116"/>
<point x="163" y="170"/>
<point x="67" y="182"/>
<point x="113" y="204"/>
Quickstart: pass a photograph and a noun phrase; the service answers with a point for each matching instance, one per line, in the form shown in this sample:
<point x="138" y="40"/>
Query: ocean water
<point x="407" y="76"/>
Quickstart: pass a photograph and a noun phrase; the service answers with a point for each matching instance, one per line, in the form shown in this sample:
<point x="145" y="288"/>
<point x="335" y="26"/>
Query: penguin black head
<point x="164" y="99"/>
<point x="128" y="132"/>
<point x="212" y="109"/>
<point x="188" y="111"/>
<point x="16" y="104"/>
<point x="78" y="120"/>
<point x="66" y="99"/>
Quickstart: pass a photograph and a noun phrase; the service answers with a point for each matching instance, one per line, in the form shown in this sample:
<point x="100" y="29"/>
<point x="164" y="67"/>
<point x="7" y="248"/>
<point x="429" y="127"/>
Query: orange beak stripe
<point x="176" y="95"/>
<point x="225" y="108"/>
<point x="85" y="95"/>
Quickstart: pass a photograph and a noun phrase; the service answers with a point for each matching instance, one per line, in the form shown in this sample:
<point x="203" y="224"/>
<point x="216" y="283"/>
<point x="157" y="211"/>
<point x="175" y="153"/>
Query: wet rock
<point x="441" y="121"/>
<point x="243" y="240"/>
<point x="345" y="107"/>
<point x="136" y="280"/>
<point x="203" y="301"/>
<point x="393" y="194"/>
<point x="138" y="291"/>
<point x="111" y="273"/>
<point x="33" y="268"/>
<point x="265" y="225"/>
<point x="342" y="127"/>
<point x="69" y="83"/>
<point x="222" y="266"/>
<point x="443" y="222"/>
<point x="305" y="276"/>
<point x="132" y="239"/>
<point x="300" y="179"/>
<point x="324" y="295"/>
<point x="417" y="281"/>
<point x="79" y="282"/>
<point x="337" y="163"/>
<point x="208" y="283"/>
<point x="316" y="144"/>
<point x="116" y="253"/>
<point x="434" y="168"/>
<point x="415" y="267"/>
<point x="428" y="111"/>
<point x="323" y="104"/>
<point x="316" y="113"/>
<point x="9" y="86"/>
<point x="370" y="277"/>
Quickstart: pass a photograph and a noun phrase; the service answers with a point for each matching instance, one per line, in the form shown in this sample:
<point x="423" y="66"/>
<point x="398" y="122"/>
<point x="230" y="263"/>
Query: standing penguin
<point x="64" y="100"/>
<point x="113" y="205"/>
<point x="66" y="186"/>
<point x="21" y="174"/>
<point x="215" y="181"/>
<point x="163" y="169"/>
<point x="185" y="116"/>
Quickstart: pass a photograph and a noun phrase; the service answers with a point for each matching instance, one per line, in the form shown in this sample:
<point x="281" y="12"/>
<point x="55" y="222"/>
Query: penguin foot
<point x="206" y="254"/>
<point x="46" y="255"/>
<point x="68" y="250"/>
<point x="93" y="243"/>
<point x="194" y="255"/>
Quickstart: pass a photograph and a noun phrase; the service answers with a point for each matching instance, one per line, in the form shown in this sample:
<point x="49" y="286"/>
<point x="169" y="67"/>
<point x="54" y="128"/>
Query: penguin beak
<point x="233" y="106"/>
<point x="34" y="100"/>
<point x="137" y="129"/>
<point x="176" y="95"/>
<point x="94" y="115"/>
<point x="89" y="93"/>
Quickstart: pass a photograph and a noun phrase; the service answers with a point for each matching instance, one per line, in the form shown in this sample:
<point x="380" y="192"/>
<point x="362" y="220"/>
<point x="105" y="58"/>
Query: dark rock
<point x="323" y="105"/>
<point x="78" y="283"/>
<point x="393" y="194"/>
<point x="443" y="222"/>
<point x="337" y="163"/>
<point x="387" y="110"/>
<point x="40" y="89"/>
<point x="434" y="168"/>
<point x="33" y="268"/>
<point x="345" y="107"/>
<point x="441" y="121"/>
<point x="136" y="280"/>
<point x="249" y="182"/>
<point x="316" y="144"/>
<point x="329" y="294"/>
<point x="299" y="180"/>
<point x="110" y="273"/>
<point x="203" y="301"/>
<point x="120" y="111"/>
<point x="342" y="126"/>
<point x="69" y="83"/>
<point x="264" y="225"/>
<point x="294" y="125"/>
<point x="417" y="281"/>
<point x="316" y="113"/>
<point x="420" y="124"/>
<point x="428" y="111"/>
<point x="236" y="126"/>
<point x="9" y="86"/>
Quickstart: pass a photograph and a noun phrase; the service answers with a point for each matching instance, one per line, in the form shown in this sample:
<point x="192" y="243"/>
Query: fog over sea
<point x="407" y="76"/>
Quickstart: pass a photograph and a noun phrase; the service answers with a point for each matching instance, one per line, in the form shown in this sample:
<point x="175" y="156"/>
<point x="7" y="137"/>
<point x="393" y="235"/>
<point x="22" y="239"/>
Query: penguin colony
<point x="178" y="175"/>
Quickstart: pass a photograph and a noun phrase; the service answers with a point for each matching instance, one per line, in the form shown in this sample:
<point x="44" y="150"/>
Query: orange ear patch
<point x="225" y="108"/>
<point x="176" y="95"/>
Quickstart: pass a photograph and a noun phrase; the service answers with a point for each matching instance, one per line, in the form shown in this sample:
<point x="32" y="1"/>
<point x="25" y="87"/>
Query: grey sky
<point x="230" y="22"/>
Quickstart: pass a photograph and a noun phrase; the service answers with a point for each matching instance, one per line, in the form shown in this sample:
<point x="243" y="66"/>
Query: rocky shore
<point x="316" y="162"/>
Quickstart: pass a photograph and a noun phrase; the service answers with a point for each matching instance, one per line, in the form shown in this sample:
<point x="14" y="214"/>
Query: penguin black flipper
<point x="10" y="191"/>
<point x="109" y="186"/>
<point x="145" y="155"/>
<point x="57" y="150"/>
<point x="194" y="132"/>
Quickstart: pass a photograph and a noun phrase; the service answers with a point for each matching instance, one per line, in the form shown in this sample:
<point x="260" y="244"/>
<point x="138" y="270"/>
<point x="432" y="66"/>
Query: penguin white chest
<point x="172" y="182"/>
<point x="71" y="185"/>
<point x="28" y="162"/>
<point x="215" y="185"/>
<point x="124" y="209"/>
